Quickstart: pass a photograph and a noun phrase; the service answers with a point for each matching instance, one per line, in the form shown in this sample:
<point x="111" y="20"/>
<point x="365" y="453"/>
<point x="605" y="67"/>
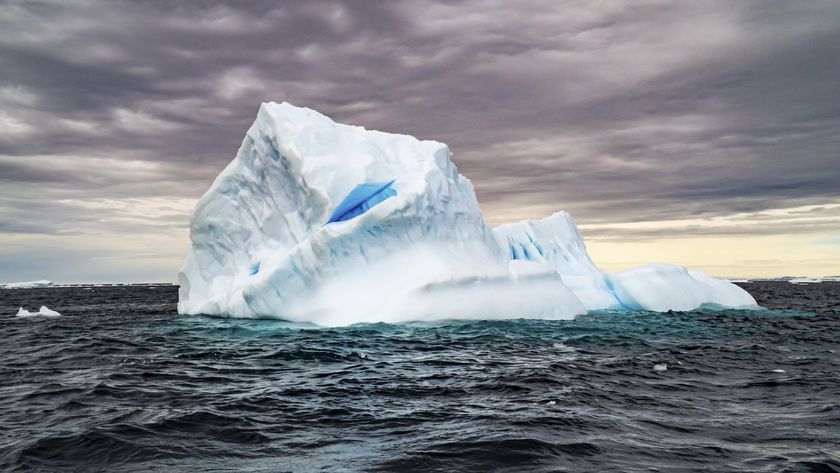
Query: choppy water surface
<point x="121" y="383"/>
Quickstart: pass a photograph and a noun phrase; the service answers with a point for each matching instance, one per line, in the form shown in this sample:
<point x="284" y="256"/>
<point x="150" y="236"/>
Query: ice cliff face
<point x="334" y="224"/>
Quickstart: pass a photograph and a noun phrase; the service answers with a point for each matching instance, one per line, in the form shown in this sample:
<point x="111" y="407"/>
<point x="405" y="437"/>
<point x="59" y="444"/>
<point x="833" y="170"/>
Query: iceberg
<point x="27" y="284"/>
<point x="804" y="281"/>
<point x="321" y="222"/>
<point x="44" y="310"/>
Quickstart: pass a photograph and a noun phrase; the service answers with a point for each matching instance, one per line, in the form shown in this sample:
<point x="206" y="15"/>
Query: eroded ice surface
<point x="334" y="224"/>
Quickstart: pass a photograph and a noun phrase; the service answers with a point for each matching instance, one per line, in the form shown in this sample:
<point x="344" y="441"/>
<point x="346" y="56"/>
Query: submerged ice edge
<point x="315" y="221"/>
<point x="441" y="320"/>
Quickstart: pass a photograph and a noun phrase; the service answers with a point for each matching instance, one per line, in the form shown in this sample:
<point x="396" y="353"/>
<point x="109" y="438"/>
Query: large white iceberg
<point x="334" y="224"/>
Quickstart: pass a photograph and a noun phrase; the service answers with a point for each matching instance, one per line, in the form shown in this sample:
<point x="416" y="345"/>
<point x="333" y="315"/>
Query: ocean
<point x="120" y="382"/>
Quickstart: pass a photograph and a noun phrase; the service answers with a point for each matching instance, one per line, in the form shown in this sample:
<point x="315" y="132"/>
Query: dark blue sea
<point x="120" y="382"/>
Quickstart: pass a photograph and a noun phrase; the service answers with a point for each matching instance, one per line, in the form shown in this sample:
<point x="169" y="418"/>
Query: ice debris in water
<point x="778" y="371"/>
<point x="44" y="310"/>
<point x="551" y="403"/>
<point x="315" y="221"/>
<point x="562" y="347"/>
<point x="660" y="367"/>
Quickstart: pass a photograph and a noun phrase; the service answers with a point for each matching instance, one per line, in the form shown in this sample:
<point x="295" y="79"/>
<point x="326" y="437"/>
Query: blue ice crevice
<point x="361" y="199"/>
<point x="520" y="251"/>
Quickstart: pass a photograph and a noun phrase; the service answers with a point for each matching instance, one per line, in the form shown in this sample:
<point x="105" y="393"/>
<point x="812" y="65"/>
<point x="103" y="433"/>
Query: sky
<point x="703" y="133"/>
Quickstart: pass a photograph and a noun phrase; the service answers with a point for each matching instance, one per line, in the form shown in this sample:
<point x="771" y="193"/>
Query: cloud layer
<point x="618" y="112"/>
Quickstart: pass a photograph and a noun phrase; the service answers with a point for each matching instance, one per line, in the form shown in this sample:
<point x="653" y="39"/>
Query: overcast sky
<point x="703" y="133"/>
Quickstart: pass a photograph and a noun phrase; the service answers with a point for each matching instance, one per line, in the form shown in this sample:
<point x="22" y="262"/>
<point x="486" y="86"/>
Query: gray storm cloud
<point x="614" y="111"/>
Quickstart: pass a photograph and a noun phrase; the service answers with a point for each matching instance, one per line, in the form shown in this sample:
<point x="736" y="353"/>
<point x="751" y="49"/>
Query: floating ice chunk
<point x="660" y="367"/>
<point x="44" y="310"/>
<point x="778" y="371"/>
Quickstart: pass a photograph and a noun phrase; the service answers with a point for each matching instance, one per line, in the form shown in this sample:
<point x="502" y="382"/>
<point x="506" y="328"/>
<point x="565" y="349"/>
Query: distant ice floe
<point x="27" y="284"/>
<point x="798" y="279"/>
<point x="44" y="310"/>
<point x="316" y="221"/>
<point x="804" y="281"/>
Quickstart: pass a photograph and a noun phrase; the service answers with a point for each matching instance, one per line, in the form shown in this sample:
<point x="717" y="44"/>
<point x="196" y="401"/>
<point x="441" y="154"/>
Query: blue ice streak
<point x="361" y="199"/>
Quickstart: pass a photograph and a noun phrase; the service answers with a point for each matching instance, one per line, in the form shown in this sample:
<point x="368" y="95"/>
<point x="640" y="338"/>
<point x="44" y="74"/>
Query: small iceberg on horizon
<point x="27" y="284"/>
<point x="44" y="310"/>
<point x="804" y="280"/>
<point x="320" y="222"/>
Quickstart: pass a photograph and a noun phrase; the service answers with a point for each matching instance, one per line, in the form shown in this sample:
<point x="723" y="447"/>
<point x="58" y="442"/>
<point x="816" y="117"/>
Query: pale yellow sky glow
<point x="754" y="250"/>
<point x="799" y="241"/>
<point x="729" y="256"/>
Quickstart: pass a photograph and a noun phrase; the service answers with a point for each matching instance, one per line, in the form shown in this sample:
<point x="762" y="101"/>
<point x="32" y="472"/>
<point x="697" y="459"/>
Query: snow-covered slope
<point x="556" y="241"/>
<point x="334" y="224"/>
